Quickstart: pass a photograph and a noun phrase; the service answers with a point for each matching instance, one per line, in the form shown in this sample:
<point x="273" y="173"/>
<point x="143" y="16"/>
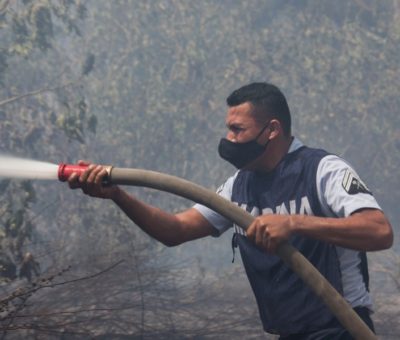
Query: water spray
<point x="12" y="167"/>
<point x="175" y="185"/>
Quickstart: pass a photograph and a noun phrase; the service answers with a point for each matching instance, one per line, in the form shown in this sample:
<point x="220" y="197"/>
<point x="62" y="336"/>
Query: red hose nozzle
<point x="66" y="170"/>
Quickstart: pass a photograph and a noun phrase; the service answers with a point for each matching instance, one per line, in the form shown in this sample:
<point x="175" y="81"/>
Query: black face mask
<point x="241" y="154"/>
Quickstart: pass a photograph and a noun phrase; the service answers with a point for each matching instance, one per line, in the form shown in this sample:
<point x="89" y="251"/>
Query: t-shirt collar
<point x="296" y="144"/>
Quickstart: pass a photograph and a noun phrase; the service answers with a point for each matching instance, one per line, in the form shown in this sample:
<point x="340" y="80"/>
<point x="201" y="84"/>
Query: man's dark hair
<point x="268" y="101"/>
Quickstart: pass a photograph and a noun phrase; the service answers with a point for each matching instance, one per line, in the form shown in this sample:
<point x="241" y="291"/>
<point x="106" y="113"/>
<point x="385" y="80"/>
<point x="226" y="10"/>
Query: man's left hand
<point x="268" y="231"/>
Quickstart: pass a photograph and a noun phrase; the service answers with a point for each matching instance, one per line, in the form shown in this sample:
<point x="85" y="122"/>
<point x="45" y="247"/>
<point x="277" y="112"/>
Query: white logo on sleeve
<point x="353" y="185"/>
<point x="220" y="189"/>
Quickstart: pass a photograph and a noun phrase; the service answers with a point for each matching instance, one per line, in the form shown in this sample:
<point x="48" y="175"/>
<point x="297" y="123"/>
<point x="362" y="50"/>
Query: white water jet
<point x="13" y="167"/>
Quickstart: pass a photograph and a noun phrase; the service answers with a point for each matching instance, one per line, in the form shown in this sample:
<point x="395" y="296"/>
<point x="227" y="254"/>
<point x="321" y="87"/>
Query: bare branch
<point x="34" y="93"/>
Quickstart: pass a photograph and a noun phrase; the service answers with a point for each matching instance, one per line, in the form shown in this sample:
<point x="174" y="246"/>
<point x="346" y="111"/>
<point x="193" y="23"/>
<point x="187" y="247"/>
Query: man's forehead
<point x="240" y="114"/>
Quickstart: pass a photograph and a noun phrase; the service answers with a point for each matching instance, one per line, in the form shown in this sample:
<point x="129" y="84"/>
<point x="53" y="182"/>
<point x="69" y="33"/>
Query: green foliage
<point x="73" y="120"/>
<point x="28" y="25"/>
<point x="43" y="26"/>
<point x="37" y="108"/>
<point x="16" y="228"/>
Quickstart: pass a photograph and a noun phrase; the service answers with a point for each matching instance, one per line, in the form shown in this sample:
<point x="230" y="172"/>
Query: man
<point x="308" y="197"/>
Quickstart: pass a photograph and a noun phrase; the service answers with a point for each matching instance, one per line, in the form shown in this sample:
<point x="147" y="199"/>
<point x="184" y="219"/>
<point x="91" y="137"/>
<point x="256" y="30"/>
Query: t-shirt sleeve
<point x="219" y="222"/>
<point x="340" y="189"/>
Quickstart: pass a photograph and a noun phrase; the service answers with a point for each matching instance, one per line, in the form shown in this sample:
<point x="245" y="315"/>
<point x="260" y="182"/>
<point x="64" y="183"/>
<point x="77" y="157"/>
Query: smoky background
<point x="143" y="84"/>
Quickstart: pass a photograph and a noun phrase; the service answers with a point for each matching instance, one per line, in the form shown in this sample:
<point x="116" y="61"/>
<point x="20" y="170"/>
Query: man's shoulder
<point x="298" y="149"/>
<point x="309" y="155"/>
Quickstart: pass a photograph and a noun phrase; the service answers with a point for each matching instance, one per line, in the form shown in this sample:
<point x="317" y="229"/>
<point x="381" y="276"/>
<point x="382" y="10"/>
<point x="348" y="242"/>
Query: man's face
<point x="242" y="125"/>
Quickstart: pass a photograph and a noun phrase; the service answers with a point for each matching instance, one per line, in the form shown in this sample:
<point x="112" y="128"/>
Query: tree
<point x="42" y="104"/>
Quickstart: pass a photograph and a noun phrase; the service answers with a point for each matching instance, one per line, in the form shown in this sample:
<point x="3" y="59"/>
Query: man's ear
<point x="275" y="128"/>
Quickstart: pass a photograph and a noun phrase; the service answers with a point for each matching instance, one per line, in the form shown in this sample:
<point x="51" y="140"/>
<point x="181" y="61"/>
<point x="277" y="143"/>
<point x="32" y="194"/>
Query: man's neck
<point x="278" y="150"/>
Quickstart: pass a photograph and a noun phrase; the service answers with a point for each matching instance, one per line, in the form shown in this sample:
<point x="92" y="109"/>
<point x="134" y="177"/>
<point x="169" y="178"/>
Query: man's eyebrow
<point x="234" y="124"/>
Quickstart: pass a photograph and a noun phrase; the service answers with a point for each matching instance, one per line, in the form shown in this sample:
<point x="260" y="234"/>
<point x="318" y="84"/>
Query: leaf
<point x="88" y="64"/>
<point x="92" y="124"/>
<point x="41" y="19"/>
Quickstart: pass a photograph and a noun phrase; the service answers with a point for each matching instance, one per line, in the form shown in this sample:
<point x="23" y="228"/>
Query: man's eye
<point x="236" y="129"/>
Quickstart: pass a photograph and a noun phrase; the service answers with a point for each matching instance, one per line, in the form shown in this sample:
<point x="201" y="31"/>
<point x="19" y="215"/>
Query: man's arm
<point x="364" y="230"/>
<point x="167" y="228"/>
<point x="356" y="223"/>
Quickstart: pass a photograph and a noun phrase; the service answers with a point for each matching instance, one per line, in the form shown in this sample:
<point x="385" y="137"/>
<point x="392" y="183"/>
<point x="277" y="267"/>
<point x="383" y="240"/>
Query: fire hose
<point x="290" y="256"/>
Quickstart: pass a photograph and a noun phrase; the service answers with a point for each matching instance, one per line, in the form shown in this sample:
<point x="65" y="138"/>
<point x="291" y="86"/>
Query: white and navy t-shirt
<point x="340" y="192"/>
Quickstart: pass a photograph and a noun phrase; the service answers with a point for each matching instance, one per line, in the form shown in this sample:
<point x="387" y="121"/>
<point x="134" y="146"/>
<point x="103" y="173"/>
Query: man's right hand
<point x="91" y="182"/>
